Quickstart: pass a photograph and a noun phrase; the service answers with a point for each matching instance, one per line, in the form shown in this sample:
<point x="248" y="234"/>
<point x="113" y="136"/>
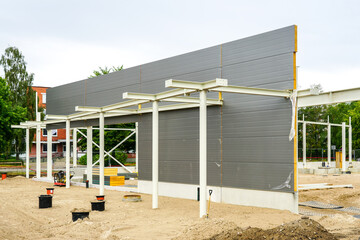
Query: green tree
<point x="22" y="95"/>
<point x="9" y="114"/>
<point x="355" y="122"/>
<point x="106" y="70"/>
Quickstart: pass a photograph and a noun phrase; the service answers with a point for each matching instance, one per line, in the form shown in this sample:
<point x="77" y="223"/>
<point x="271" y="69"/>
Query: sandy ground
<point x="342" y="223"/>
<point x="176" y="218"/>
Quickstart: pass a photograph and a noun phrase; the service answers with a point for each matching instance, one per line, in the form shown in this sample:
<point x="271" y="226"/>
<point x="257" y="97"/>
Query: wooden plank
<point x="318" y="187"/>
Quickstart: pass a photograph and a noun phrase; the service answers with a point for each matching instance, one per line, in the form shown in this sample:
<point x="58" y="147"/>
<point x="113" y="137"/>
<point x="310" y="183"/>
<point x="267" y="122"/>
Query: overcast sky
<point x="64" y="41"/>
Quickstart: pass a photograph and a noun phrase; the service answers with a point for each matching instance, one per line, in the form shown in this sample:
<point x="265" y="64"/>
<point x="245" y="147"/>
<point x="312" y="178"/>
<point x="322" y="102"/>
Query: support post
<point x="304" y="144"/>
<point x="155" y="153"/>
<point x="329" y="143"/>
<point x="203" y="152"/>
<point x="38" y="149"/>
<point x="38" y="144"/>
<point x="89" y="154"/>
<point x="101" y="154"/>
<point x="67" y="153"/>
<point x="75" y="147"/>
<point x="137" y="147"/>
<point x="343" y="147"/>
<point x="350" y="141"/>
<point x="27" y="153"/>
<point x="49" y="154"/>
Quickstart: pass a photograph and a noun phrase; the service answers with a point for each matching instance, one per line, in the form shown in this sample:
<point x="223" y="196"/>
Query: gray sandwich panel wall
<point x="248" y="144"/>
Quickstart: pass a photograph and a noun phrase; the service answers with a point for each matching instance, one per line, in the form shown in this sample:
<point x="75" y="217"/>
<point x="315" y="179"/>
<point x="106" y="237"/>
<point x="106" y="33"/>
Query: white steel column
<point x="329" y="143"/>
<point x="75" y="147"/>
<point x="304" y="144"/>
<point x="350" y="141"/>
<point x="38" y="149"/>
<point x="155" y="153"/>
<point x="89" y="154"/>
<point x="27" y="140"/>
<point x="343" y="147"/>
<point x="137" y="147"/>
<point x="38" y="145"/>
<point x="67" y="153"/>
<point x="49" y="154"/>
<point x="203" y="152"/>
<point x="101" y="154"/>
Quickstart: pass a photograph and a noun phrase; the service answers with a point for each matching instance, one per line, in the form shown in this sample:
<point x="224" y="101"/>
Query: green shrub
<point x="120" y="156"/>
<point x="83" y="159"/>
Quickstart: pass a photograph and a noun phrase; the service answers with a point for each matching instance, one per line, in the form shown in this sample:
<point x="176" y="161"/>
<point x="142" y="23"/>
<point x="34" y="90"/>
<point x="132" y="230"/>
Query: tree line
<point x="17" y="101"/>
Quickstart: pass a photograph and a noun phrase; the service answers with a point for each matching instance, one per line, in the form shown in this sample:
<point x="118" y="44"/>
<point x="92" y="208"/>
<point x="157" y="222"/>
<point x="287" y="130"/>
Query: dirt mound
<point x="205" y="228"/>
<point x="296" y="230"/>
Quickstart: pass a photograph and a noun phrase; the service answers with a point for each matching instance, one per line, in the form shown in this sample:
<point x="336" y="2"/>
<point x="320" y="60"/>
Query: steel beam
<point x="329" y="143"/>
<point x="203" y="152"/>
<point x="67" y="163"/>
<point x="324" y="123"/>
<point x="155" y="154"/>
<point x="343" y="159"/>
<point x="89" y="154"/>
<point x="101" y="150"/>
<point x="38" y="150"/>
<point x="253" y="91"/>
<point x="218" y="82"/>
<point x="74" y="147"/>
<point x="172" y="96"/>
<point x="49" y="154"/>
<point x="346" y="95"/>
<point x="27" y="152"/>
<point x="350" y="141"/>
<point x="137" y="147"/>
<point x="304" y="144"/>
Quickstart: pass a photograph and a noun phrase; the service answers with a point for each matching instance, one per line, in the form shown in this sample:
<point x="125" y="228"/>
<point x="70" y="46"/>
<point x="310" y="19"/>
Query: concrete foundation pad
<point x="245" y="197"/>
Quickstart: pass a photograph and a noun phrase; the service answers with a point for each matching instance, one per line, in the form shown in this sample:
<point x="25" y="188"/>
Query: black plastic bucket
<point x="79" y="215"/>
<point x="45" y="201"/>
<point x="98" y="206"/>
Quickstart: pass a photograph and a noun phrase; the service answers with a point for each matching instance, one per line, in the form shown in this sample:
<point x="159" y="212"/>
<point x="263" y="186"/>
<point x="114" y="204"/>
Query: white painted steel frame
<point x="49" y="154"/>
<point x="75" y="147"/>
<point x="328" y="124"/>
<point x="137" y="147"/>
<point x="67" y="160"/>
<point x="38" y="146"/>
<point x="97" y="145"/>
<point x="89" y="154"/>
<point x="194" y="86"/>
<point x="217" y="85"/>
<point x="27" y="152"/>
<point x="155" y="153"/>
<point x="329" y="141"/>
<point x="343" y="147"/>
<point x="345" y="95"/>
<point x="101" y="151"/>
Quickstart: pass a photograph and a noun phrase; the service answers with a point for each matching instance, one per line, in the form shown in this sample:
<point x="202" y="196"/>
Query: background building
<point x="58" y="137"/>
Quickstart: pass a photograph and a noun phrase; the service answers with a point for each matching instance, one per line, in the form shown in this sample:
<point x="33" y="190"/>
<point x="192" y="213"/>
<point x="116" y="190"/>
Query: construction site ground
<point x="21" y="217"/>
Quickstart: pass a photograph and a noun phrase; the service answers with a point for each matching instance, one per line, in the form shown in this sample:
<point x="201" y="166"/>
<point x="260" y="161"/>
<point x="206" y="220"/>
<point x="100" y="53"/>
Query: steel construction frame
<point x="329" y="125"/>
